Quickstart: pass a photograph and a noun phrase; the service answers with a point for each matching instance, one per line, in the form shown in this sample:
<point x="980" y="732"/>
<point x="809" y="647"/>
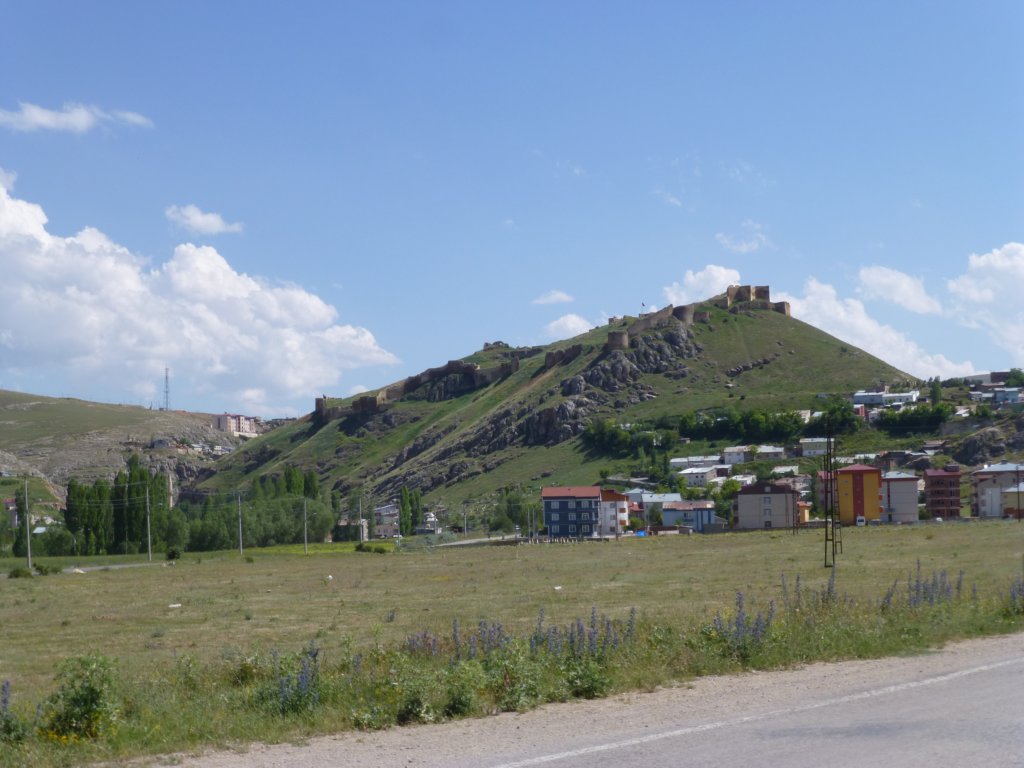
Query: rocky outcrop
<point x="981" y="447"/>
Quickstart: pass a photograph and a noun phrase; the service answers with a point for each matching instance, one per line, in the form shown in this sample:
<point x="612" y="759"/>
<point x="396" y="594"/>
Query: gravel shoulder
<point x="507" y="737"/>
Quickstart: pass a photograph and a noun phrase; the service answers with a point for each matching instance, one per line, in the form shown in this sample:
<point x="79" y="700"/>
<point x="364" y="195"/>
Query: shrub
<point x="12" y="729"/>
<point x="464" y="681"/>
<point x="173" y="553"/>
<point x="586" y="677"/>
<point x="19" y="572"/>
<point x="295" y="692"/>
<point x="82" y="706"/>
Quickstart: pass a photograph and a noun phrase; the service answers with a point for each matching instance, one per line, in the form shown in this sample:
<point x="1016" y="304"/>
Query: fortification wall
<point x="375" y="401"/>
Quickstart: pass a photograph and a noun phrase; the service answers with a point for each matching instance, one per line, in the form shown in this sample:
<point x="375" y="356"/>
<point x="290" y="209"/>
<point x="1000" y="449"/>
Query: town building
<point x="698" y="477"/>
<point x="766" y="505"/>
<point x="236" y="424"/>
<point x="698" y="515"/>
<point x="736" y="454"/>
<point x="942" y="492"/>
<point x="899" y="497"/>
<point x="813" y="446"/>
<point x="988" y="484"/>
<point x="571" y="511"/>
<point x="614" y="513"/>
<point x="859" y="493"/>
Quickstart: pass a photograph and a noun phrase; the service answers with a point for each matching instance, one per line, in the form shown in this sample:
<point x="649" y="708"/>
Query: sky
<point x="272" y="201"/>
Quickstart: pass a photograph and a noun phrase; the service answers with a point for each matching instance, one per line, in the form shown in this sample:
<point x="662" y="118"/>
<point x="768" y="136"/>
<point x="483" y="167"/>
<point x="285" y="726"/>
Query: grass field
<point x="216" y="609"/>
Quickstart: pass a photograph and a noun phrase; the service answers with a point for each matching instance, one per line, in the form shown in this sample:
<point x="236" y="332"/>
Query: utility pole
<point x="238" y="495"/>
<point x="149" y="535"/>
<point x="360" y="517"/>
<point x="305" y="529"/>
<point x="28" y="529"/>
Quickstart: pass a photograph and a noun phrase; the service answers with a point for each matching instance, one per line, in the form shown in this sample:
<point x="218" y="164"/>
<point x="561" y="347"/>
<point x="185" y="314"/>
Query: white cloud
<point x="751" y="240"/>
<point x="668" y="198"/>
<point x="7" y="179"/>
<point x="84" y="314"/>
<point x="847" y="319"/>
<point x="74" y="118"/>
<point x="899" y="288"/>
<point x="357" y="389"/>
<point x="193" y="219"/>
<point x="554" y="297"/>
<point x="987" y="297"/>
<point x="697" y="286"/>
<point x="567" y="326"/>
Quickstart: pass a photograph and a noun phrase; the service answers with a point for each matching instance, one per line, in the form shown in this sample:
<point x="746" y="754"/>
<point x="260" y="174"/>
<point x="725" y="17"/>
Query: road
<point x="961" y="706"/>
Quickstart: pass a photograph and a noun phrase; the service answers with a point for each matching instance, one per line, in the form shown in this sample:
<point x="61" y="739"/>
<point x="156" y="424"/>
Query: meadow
<point x="218" y="649"/>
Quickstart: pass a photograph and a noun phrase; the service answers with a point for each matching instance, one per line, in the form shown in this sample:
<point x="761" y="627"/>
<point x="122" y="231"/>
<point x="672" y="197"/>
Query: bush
<point x="173" y="553"/>
<point x="83" y="706"/>
<point x="19" y="572"/>
<point x="12" y="729"/>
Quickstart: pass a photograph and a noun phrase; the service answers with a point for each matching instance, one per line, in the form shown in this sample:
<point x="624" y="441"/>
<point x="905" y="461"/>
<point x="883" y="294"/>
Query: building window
<point x="586" y="529"/>
<point x="767" y="501"/>
<point x="572" y="529"/>
<point x="554" y="504"/>
<point x="554" y="516"/>
<point x="572" y="515"/>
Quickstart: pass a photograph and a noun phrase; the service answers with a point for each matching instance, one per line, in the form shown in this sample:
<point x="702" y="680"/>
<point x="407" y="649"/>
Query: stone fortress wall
<point x="480" y="377"/>
<point x="735" y="296"/>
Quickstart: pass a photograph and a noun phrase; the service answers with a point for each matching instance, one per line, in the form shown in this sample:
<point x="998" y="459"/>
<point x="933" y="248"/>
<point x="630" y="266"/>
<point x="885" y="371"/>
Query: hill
<point x="514" y="416"/>
<point x="55" y="439"/>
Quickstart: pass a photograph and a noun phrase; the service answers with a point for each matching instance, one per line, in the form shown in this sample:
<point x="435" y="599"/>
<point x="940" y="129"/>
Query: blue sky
<point x="276" y="201"/>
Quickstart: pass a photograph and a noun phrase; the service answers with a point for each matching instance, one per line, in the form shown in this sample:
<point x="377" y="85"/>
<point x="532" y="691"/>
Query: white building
<point x="736" y="454"/>
<point x="236" y="424"/>
<point x="698" y="477"/>
<point x="813" y="446"/>
<point x="899" y="497"/>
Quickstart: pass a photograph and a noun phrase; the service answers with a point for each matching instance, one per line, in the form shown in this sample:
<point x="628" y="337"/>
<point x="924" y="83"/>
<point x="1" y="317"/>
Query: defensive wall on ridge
<point x="735" y="296"/>
<point x="479" y="377"/>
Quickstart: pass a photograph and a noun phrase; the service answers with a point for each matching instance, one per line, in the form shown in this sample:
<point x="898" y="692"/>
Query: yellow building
<point x="859" y="492"/>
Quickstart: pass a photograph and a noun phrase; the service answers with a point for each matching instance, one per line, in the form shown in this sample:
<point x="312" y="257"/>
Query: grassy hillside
<point x="59" y="438"/>
<point x="524" y="428"/>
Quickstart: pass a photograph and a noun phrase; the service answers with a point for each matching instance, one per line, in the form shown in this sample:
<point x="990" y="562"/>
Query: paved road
<point x="963" y="706"/>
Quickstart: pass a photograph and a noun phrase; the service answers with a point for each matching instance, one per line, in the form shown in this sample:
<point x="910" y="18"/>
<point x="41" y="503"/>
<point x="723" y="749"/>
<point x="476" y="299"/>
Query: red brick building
<point x="942" y="492"/>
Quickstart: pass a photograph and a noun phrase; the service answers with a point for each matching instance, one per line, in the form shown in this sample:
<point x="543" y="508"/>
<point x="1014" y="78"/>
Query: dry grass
<point x="282" y="601"/>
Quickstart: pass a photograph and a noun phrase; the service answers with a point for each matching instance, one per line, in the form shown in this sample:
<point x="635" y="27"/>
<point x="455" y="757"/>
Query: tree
<point x="1015" y="378"/>
<point x="20" y="547"/>
<point x="934" y="390"/>
<point x="405" y="513"/>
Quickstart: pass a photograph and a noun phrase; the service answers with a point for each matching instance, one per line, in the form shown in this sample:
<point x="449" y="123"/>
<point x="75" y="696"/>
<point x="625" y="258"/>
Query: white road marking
<point x="874" y="693"/>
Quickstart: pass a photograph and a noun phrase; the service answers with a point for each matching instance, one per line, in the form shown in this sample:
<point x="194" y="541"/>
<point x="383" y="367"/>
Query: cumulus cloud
<point x="899" y="288"/>
<point x="554" y="297"/>
<point x="697" y="286"/>
<point x="193" y="219"/>
<point x="567" y="326"/>
<point x="752" y="239"/>
<point x="83" y="313"/>
<point x="986" y="297"/>
<point x="7" y="179"/>
<point x="847" y="319"/>
<point x="73" y="118"/>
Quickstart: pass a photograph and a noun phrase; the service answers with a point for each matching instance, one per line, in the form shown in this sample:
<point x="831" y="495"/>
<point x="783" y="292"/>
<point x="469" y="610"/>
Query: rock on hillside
<point x="563" y="411"/>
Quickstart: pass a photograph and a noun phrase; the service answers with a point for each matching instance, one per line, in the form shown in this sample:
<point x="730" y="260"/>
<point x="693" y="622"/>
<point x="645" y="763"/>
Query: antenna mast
<point x="167" y="389"/>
